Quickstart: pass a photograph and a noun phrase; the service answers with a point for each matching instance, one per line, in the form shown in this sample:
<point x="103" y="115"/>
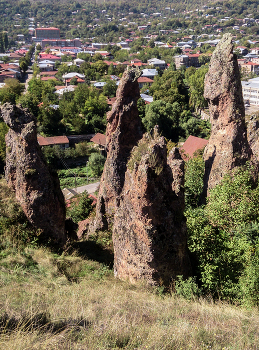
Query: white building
<point x="157" y="63"/>
<point x="149" y="73"/>
<point x="250" y="90"/>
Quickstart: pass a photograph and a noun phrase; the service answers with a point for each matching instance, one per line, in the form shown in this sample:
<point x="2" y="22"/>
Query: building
<point x="157" y="63"/>
<point x="192" y="145"/>
<point x="61" y="43"/>
<point x="181" y="60"/>
<point x="61" y="141"/>
<point x="69" y="76"/>
<point x="47" y="33"/>
<point x="250" y="90"/>
<point x="190" y="60"/>
<point x="142" y="81"/>
<point x="149" y="73"/>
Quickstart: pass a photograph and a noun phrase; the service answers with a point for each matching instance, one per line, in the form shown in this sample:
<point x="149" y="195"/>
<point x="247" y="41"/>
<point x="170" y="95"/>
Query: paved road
<point x="91" y="188"/>
<point x="71" y="192"/>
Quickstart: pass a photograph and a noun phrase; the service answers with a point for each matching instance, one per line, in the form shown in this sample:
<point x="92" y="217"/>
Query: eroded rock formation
<point x="149" y="234"/>
<point x="122" y="134"/>
<point x="253" y="135"/>
<point x="36" y="188"/>
<point x="228" y="146"/>
<point x="143" y="192"/>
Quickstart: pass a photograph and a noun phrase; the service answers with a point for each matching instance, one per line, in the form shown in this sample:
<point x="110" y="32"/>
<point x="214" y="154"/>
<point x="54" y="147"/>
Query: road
<point x="71" y="192"/>
<point x="91" y="188"/>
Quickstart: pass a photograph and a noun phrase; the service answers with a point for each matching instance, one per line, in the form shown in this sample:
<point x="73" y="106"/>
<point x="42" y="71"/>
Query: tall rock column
<point x="227" y="146"/>
<point x="36" y="188"/>
<point x="149" y="233"/>
<point x="122" y="134"/>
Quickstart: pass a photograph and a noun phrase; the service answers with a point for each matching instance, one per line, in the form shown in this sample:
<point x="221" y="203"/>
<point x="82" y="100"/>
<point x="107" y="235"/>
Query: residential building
<point x="61" y="141"/>
<point x="144" y="81"/>
<point x="67" y="77"/>
<point x="61" y="43"/>
<point x="192" y="145"/>
<point x="250" y="90"/>
<point x="47" y="33"/>
<point x="190" y="60"/>
<point x="149" y="73"/>
<point x="157" y="63"/>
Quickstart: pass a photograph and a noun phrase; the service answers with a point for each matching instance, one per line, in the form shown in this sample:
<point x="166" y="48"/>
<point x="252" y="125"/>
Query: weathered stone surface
<point x="253" y="135"/>
<point x="149" y="233"/>
<point x="36" y="188"/>
<point x="228" y="146"/>
<point x="122" y="134"/>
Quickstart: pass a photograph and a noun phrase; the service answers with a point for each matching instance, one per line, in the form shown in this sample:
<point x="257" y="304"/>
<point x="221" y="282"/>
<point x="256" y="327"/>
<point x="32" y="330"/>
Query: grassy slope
<point x="72" y="301"/>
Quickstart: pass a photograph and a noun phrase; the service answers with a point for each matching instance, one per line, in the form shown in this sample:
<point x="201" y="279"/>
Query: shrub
<point x="81" y="207"/>
<point x="96" y="164"/>
<point x="224" y="236"/>
<point x="188" y="289"/>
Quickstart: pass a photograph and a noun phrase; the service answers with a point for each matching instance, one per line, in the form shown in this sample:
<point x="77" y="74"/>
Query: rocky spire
<point x="122" y="134"/>
<point x="36" y="188"/>
<point x="149" y="233"/>
<point x="227" y="146"/>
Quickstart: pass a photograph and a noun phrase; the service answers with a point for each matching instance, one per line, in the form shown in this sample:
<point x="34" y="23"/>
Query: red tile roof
<point x="49" y="73"/>
<point x="191" y="145"/>
<point x="145" y="80"/>
<point x="100" y="139"/>
<point x="48" y="78"/>
<point x="55" y="140"/>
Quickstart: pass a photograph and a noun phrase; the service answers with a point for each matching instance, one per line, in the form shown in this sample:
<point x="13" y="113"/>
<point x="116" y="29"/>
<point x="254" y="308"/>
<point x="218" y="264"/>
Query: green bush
<point x="188" y="289"/>
<point x="96" y="164"/>
<point x="81" y="207"/>
<point x="223" y="239"/>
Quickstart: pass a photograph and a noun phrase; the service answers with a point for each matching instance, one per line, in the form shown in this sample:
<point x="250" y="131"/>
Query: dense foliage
<point x="224" y="234"/>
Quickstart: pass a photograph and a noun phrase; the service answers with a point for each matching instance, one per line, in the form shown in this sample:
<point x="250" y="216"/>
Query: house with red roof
<point x="192" y="145"/>
<point x="100" y="140"/>
<point x="49" y="57"/>
<point x="144" y="81"/>
<point x="61" y="141"/>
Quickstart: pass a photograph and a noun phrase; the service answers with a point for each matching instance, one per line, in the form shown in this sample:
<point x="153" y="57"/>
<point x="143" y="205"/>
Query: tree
<point x="11" y="91"/>
<point x="193" y="184"/>
<point x="3" y="132"/>
<point x="166" y="116"/>
<point x="97" y="57"/>
<point x="96" y="164"/>
<point x="50" y="121"/>
<point x="224" y="238"/>
<point x="110" y="88"/>
<point x="100" y="67"/>
<point x="81" y="207"/>
<point x="196" y="88"/>
<point x="170" y="88"/>
<point x="23" y="65"/>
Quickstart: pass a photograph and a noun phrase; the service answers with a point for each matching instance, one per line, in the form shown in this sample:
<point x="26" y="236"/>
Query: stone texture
<point x="37" y="189"/>
<point x="253" y="135"/>
<point x="149" y="233"/>
<point x="122" y="134"/>
<point x="228" y="146"/>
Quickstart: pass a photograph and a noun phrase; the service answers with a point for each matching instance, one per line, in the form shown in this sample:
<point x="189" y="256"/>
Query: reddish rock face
<point x="122" y="134"/>
<point x="36" y="188"/>
<point x="143" y="194"/>
<point x="253" y="135"/>
<point x="227" y="146"/>
<point x="149" y="233"/>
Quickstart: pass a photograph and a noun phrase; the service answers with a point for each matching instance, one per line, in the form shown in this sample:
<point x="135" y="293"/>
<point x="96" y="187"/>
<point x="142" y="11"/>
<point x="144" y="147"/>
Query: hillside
<point x="72" y="301"/>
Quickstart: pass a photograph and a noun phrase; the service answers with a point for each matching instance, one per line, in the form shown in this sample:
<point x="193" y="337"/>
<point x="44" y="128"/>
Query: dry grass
<point x="68" y="302"/>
